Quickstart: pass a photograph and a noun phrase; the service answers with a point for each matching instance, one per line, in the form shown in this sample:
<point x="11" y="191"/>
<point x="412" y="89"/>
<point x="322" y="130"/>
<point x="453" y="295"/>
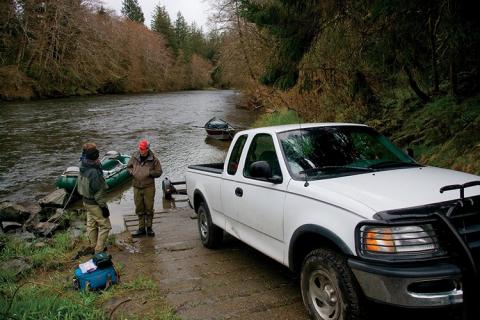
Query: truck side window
<point x="235" y="156"/>
<point x="262" y="149"/>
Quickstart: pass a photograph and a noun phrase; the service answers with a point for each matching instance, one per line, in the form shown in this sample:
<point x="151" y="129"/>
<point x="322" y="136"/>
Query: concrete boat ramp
<point x="232" y="282"/>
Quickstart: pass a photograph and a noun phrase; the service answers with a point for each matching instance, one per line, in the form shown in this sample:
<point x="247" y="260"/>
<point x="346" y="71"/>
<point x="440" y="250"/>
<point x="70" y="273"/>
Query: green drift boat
<point x="114" y="166"/>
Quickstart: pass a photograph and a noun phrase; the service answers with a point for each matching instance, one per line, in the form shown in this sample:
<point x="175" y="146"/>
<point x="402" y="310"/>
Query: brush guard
<point x="461" y="233"/>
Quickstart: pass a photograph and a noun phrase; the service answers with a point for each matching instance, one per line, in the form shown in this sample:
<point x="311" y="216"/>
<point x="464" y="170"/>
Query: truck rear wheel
<point x="329" y="290"/>
<point x="210" y="234"/>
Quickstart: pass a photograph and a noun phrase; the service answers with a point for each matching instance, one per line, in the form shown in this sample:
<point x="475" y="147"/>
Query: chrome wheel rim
<point x="202" y="219"/>
<point x="325" y="295"/>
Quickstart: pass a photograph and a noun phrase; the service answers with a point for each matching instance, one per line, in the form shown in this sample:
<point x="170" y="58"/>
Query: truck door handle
<point x="238" y="192"/>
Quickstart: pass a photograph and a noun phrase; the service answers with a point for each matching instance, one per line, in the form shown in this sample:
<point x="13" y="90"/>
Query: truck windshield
<point x="325" y="152"/>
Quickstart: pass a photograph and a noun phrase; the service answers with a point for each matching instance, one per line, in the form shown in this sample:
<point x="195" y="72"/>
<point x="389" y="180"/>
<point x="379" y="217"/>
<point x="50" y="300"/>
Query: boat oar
<point x="241" y="128"/>
<point x="236" y="128"/>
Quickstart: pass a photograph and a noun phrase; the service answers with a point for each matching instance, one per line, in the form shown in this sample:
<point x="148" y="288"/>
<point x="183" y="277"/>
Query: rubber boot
<point x="150" y="232"/>
<point x="139" y="233"/>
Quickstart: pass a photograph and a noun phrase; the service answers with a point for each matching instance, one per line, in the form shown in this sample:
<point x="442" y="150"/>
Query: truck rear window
<point x="235" y="156"/>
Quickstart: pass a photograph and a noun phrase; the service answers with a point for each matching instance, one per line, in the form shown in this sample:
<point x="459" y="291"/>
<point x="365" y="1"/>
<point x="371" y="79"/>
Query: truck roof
<point x="288" y="127"/>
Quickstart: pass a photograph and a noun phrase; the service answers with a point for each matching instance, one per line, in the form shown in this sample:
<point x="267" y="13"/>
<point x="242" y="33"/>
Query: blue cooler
<point x="96" y="280"/>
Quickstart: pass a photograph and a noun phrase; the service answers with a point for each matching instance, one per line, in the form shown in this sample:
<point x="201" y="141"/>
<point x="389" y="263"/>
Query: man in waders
<point x="144" y="166"/>
<point x="92" y="186"/>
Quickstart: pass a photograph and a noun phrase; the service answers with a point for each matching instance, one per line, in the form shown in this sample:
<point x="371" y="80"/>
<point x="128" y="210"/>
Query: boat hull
<point x="220" y="134"/>
<point x="114" y="171"/>
<point x="219" y="129"/>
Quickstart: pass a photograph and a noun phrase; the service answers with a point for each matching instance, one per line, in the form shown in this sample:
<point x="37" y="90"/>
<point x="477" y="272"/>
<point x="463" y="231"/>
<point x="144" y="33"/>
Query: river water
<point x="39" y="139"/>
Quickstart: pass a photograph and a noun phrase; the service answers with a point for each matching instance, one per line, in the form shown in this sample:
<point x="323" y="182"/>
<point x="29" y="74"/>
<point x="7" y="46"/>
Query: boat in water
<point x="219" y="129"/>
<point x="114" y="166"/>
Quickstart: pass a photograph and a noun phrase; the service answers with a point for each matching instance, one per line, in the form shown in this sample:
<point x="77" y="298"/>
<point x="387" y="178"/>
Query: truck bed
<point x="208" y="167"/>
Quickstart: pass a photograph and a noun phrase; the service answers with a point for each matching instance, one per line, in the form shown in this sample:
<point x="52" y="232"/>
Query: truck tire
<point x="210" y="234"/>
<point x="329" y="290"/>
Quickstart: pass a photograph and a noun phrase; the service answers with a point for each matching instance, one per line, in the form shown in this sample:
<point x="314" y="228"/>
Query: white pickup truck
<point x="353" y="214"/>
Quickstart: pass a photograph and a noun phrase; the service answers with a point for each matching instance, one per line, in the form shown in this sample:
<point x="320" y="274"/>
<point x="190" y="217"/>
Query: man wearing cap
<point x="92" y="186"/>
<point x="144" y="166"/>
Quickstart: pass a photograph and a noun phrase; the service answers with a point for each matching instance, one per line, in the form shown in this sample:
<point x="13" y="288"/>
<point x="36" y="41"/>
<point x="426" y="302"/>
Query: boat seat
<point x="72" y="171"/>
<point x="112" y="154"/>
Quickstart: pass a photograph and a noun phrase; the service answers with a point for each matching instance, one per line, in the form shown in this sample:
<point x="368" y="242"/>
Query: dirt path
<point x="233" y="282"/>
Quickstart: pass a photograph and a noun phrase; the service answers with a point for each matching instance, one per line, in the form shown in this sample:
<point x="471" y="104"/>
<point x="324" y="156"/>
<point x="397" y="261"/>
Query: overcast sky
<point x="192" y="10"/>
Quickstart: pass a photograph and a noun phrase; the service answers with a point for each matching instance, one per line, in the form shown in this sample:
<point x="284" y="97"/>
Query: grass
<point x="52" y="297"/>
<point x="45" y="290"/>
<point x="141" y="289"/>
<point x="277" y="118"/>
<point x="442" y="133"/>
<point x="52" y="255"/>
<point x="140" y="283"/>
<point x="42" y="301"/>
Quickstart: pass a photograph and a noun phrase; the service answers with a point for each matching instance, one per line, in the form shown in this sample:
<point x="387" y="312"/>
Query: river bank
<point x="443" y="133"/>
<point x="40" y="139"/>
<point x="36" y="282"/>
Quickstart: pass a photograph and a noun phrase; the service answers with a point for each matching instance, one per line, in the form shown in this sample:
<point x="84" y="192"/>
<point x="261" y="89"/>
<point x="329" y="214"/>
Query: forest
<point x="411" y="69"/>
<point x="58" y="48"/>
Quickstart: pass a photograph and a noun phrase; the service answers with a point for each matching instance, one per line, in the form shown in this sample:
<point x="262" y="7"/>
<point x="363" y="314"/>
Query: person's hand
<point x="105" y="212"/>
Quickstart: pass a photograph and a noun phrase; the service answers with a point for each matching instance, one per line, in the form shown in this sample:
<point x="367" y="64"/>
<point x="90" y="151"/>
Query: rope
<point x="71" y="194"/>
<point x="66" y="204"/>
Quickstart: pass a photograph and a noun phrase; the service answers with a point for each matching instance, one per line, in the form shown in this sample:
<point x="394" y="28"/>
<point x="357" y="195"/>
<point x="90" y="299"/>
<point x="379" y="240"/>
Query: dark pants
<point x="144" y="198"/>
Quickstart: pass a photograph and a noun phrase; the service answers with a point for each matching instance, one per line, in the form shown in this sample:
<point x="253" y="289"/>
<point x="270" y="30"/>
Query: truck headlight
<point x="399" y="240"/>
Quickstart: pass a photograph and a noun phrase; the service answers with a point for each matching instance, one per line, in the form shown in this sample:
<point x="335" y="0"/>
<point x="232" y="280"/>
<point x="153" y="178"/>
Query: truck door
<point x="230" y="201"/>
<point x="260" y="211"/>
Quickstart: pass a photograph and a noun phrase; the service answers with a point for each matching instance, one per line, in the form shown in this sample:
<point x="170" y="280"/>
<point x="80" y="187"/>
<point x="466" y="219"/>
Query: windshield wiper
<point x="393" y="164"/>
<point x="334" y="169"/>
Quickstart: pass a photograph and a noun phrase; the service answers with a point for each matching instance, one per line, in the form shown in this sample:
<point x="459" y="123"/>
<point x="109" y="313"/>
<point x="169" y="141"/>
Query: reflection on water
<point x="219" y="144"/>
<point x="41" y="138"/>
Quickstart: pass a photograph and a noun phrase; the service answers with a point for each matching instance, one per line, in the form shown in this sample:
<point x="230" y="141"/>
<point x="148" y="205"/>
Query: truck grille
<point x="468" y="226"/>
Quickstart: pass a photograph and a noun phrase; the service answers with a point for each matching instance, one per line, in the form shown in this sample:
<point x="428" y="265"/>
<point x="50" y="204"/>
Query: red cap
<point x="143" y="145"/>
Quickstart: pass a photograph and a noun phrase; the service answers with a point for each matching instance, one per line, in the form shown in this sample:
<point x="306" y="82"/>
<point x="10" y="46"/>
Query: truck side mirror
<point x="262" y="170"/>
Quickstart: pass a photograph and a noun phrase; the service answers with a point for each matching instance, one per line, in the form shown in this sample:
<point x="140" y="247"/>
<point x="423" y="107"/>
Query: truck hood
<point x="368" y="193"/>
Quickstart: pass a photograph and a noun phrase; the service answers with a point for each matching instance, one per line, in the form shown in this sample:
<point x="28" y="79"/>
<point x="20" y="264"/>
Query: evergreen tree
<point x="181" y="30"/>
<point x="294" y="23"/>
<point x="161" y="23"/>
<point x="197" y="43"/>
<point x="426" y="41"/>
<point x="182" y="36"/>
<point x="131" y="9"/>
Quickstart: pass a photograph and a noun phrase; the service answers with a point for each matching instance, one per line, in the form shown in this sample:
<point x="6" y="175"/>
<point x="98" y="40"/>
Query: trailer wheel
<point x="329" y="290"/>
<point x="210" y="234"/>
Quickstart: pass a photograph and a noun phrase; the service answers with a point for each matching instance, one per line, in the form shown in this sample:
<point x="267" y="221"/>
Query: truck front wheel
<point x="329" y="290"/>
<point x="210" y="234"/>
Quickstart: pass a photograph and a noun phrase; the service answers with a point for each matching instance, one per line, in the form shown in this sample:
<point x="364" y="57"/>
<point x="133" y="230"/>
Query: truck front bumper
<point x="437" y="285"/>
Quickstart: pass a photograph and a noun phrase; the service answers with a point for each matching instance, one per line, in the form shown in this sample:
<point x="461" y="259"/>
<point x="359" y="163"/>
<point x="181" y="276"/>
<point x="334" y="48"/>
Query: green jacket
<point x="145" y="172"/>
<point x="91" y="184"/>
